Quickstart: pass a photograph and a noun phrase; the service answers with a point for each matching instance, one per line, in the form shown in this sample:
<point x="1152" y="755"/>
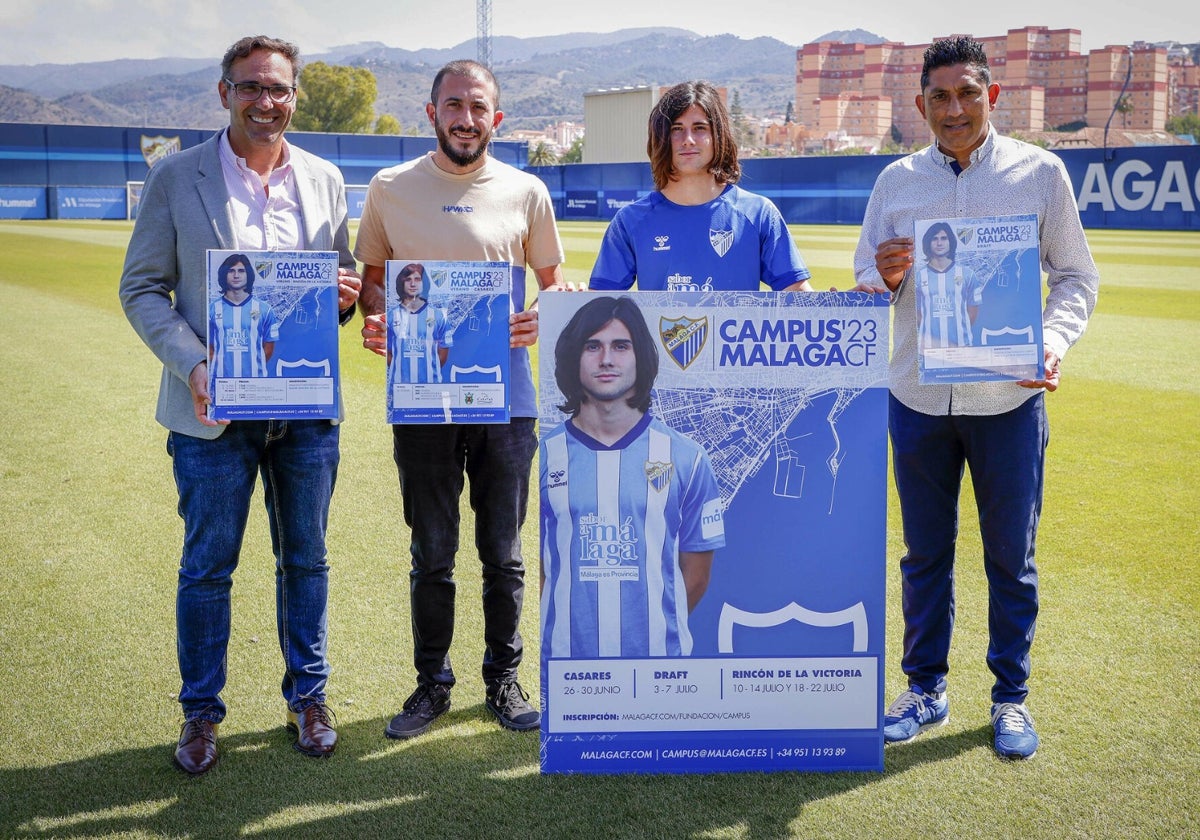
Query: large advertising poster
<point x="272" y="335"/>
<point x="447" y="341"/>
<point x="713" y="523"/>
<point x="978" y="288"/>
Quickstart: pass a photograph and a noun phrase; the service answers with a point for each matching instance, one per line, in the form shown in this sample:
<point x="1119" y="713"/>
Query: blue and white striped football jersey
<point x="942" y="301"/>
<point x="414" y="339"/>
<point x="613" y="521"/>
<point x="236" y="334"/>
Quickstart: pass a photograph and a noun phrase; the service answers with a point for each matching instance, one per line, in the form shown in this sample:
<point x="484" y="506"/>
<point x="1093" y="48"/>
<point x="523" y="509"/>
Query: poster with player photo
<point x="447" y="341"/>
<point x="978" y="288"/>
<point x="713" y="495"/>
<point x="272" y="335"/>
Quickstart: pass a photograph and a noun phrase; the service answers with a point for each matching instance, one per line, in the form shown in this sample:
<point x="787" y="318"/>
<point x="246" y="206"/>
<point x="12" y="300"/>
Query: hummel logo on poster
<point x="721" y="240"/>
<point x="662" y="243"/>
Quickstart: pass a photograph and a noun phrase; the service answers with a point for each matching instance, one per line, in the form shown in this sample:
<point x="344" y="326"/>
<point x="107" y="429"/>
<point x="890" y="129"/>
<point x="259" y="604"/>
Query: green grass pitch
<point x="89" y="545"/>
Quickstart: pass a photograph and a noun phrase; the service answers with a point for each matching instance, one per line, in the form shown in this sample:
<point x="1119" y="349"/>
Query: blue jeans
<point x="298" y="462"/>
<point x="1006" y="455"/>
<point x="431" y="461"/>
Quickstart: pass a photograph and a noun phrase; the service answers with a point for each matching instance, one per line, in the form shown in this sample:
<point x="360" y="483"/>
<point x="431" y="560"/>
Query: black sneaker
<point x="420" y="710"/>
<point x="510" y="703"/>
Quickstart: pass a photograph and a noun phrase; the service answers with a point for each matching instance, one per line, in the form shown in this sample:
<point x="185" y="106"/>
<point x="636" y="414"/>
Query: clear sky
<point x="71" y="31"/>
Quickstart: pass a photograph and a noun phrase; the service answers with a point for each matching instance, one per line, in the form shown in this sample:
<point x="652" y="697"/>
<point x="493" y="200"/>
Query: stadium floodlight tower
<point x="483" y="32"/>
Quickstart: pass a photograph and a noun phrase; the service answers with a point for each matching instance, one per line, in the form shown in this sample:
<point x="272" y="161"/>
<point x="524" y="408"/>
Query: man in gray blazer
<point x="246" y="189"/>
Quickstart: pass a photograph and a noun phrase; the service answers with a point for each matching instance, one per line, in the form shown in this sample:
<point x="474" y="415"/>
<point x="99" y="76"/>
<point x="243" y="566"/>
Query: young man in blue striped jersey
<point x="631" y="512"/>
<point x="242" y="329"/>
<point x="420" y="334"/>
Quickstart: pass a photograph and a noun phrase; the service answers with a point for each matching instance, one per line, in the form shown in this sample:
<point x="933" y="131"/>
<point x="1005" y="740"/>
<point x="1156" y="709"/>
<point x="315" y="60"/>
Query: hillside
<point x="542" y="79"/>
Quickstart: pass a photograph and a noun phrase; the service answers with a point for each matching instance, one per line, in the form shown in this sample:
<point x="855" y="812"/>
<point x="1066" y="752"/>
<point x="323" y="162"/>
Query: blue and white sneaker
<point x="913" y="712"/>
<point x="1015" y="737"/>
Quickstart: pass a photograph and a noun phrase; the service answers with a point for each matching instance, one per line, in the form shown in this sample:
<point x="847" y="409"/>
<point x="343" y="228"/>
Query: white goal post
<point x="133" y="194"/>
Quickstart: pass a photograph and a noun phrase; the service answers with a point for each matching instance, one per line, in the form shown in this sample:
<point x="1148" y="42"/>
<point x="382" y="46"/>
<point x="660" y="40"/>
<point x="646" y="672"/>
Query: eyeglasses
<point x="253" y="91"/>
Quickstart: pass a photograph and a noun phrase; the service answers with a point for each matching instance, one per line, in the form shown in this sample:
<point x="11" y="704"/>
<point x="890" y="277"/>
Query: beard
<point x="457" y="157"/>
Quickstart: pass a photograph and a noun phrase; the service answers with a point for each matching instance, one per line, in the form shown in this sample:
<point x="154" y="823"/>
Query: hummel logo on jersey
<point x="658" y="473"/>
<point x="662" y="243"/>
<point x="557" y="478"/>
<point x="721" y="240"/>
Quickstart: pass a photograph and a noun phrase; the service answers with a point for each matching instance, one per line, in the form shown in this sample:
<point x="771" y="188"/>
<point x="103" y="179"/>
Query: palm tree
<point x="542" y="155"/>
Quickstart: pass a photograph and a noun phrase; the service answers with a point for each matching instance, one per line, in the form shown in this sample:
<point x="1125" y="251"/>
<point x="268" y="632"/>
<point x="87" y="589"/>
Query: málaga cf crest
<point x="683" y="338"/>
<point x="658" y="474"/>
<point x="155" y="149"/>
<point x="721" y="241"/>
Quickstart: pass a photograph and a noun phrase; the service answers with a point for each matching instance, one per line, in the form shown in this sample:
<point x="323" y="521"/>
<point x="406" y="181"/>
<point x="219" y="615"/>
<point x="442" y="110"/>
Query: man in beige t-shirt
<point x="457" y="203"/>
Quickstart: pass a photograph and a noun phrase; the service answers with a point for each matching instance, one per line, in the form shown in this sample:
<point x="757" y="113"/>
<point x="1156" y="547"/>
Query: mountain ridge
<point x="542" y="79"/>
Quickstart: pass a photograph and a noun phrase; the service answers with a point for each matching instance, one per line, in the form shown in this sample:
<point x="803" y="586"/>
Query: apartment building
<point x="867" y="91"/>
<point x="1183" y="87"/>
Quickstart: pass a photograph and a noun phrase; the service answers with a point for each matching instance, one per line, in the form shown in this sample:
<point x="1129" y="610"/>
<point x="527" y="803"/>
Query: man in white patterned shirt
<point x="998" y="428"/>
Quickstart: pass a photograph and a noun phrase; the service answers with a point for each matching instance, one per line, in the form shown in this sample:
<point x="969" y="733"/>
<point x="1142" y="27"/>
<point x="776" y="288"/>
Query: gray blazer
<point x="184" y="211"/>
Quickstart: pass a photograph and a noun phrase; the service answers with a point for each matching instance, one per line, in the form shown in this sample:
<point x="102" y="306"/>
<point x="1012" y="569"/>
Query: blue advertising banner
<point x="22" y="202"/>
<point x="713" y="487"/>
<point x="1150" y="187"/>
<point x="978" y="290"/>
<point x="614" y="200"/>
<point x="272" y="335"/>
<point x="582" y="204"/>
<point x="447" y="341"/>
<point x="356" y="198"/>
<point x="89" y="202"/>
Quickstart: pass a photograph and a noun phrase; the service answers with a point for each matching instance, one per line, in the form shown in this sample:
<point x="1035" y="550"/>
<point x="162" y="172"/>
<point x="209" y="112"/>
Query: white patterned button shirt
<point x="1006" y="177"/>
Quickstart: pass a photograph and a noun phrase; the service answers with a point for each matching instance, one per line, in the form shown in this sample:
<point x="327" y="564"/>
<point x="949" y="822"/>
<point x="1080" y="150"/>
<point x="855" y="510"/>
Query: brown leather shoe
<point x="196" y="752"/>
<point x="314" y="728"/>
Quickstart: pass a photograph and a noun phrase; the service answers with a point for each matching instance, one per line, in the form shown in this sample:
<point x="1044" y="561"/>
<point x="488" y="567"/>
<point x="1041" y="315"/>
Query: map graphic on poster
<point x="776" y="406"/>
<point x="978" y="287"/>
<point x="447" y="341"/>
<point x="272" y="335"/>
